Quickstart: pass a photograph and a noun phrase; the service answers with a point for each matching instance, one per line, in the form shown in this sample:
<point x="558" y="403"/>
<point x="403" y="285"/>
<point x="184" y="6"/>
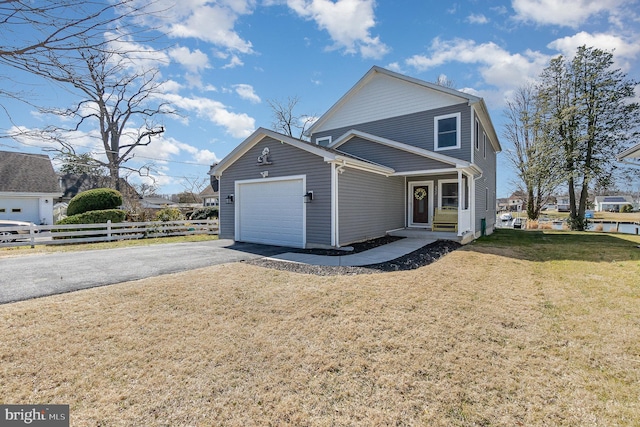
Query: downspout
<point x="336" y="206"/>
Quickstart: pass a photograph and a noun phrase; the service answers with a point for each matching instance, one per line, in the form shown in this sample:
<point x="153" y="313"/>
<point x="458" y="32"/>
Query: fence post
<point x="32" y="235"/>
<point x="109" y="229"/>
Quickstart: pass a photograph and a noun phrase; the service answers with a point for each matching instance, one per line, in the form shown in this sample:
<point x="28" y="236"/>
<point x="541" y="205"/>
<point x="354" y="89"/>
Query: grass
<point x="519" y="328"/>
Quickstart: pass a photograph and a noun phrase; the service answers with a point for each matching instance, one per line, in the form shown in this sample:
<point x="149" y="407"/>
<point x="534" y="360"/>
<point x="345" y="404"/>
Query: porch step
<point x="425" y="234"/>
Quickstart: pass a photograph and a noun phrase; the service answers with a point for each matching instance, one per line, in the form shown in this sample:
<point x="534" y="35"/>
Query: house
<point x="516" y="203"/>
<point x="28" y="187"/>
<point x="630" y="156"/>
<point x="386" y="157"/>
<point x="209" y="196"/>
<point x="611" y="203"/>
<point x="72" y="184"/>
<point x="563" y="203"/>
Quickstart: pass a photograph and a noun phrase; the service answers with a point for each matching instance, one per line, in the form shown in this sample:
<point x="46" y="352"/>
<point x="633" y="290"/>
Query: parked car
<point x="517" y="223"/>
<point x="506" y="216"/>
<point x="10" y="231"/>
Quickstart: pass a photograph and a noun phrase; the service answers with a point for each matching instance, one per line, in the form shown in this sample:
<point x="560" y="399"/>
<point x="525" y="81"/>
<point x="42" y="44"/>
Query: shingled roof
<point x="27" y="173"/>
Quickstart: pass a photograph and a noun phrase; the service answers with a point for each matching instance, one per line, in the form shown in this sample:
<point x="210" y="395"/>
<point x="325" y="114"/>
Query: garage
<point x="20" y="209"/>
<point x="271" y="211"/>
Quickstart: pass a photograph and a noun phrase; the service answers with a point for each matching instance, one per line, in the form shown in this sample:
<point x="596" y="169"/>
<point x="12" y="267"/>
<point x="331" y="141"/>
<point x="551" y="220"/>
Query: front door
<point x="420" y="203"/>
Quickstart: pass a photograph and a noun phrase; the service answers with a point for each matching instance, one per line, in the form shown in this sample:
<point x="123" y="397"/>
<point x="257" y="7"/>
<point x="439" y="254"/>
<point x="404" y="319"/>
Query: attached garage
<point x="271" y="211"/>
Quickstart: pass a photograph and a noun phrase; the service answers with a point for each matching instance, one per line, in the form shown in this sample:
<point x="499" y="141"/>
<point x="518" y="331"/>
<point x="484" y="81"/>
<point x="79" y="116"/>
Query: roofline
<point x="400" y="146"/>
<point x="328" y="156"/>
<point x="379" y="70"/>
<point x="629" y="153"/>
<point x="30" y="194"/>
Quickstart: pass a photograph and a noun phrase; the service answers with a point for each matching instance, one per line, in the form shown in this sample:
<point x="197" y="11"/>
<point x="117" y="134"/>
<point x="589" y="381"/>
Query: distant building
<point x="210" y="197"/>
<point x="612" y="203"/>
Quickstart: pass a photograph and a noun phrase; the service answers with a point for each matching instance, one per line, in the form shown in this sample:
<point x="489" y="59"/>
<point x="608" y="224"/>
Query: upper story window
<point x="447" y="132"/>
<point x="324" y="141"/>
<point x="476" y="135"/>
<point x="484" y="144"/>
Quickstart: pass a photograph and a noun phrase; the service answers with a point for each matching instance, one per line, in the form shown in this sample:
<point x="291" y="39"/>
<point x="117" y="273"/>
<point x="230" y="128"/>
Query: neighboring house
<point x="72" y="184"/>
<point x="611" y="203"/>
<point x="28" y="187"/>
<point x="210" y="197"/>
<point x="515" y="203"/>
<point x="156" y="202"/>
<point x="386" y="156"/>
<point x="631" y="156"/>
<point x="563" y="203"/>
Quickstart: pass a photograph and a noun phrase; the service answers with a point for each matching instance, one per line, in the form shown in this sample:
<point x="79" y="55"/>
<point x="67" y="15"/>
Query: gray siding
<point x="397" y="159"/>
<point x="286" y="161"/>
<point x="485" y="208"/>
<point x="369" y="205"/>
<point x="414" y="129"/>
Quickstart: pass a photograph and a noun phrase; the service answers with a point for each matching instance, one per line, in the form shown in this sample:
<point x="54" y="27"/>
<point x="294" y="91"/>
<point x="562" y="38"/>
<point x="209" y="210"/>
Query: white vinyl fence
<point x="86" y="233"/>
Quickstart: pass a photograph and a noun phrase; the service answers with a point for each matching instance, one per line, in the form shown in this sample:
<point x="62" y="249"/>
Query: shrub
<point x="94" y="200"/>
<point x="169" y="214"/>
<point x="626" y="208"/>
<point x="95" y="217"/>
<point x="205" y="213"/>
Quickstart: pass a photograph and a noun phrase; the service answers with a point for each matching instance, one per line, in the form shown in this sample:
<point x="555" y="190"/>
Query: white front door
<point x="420" y="203"/>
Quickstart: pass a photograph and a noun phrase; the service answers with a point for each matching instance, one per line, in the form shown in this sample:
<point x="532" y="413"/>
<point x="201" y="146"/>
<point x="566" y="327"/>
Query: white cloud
<point x="348" y="22"/>
<point x="569" y="13"/>
<point x="477" y="19"/>
<point x="246" y="92"/>
<point x="194" y="61"/>
<point x="237" y="125"/>
<point x="206" y="157"/>
<point x="497" y="66"/>
<point x="623" y="50"/>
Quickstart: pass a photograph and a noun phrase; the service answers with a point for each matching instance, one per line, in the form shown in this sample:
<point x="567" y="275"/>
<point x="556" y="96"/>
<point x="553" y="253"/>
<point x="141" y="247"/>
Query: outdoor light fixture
<point x="308" y="197"/>
<point x="229" y="199"/>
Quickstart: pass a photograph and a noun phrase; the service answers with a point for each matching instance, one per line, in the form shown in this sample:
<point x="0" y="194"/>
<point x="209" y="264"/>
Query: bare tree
<point x="286" y="121"/>
<point x="113" y="96"/>
<point x="445" y="81"/>
<point x="534" y="160"/>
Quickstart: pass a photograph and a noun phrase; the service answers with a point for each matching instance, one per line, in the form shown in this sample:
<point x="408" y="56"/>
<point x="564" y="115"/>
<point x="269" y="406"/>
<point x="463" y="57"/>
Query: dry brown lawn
<point x="490" y="335"/>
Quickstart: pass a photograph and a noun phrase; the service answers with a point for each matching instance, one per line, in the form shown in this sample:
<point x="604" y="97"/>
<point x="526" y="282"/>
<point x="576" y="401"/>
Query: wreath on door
<point x="420" y="193"/>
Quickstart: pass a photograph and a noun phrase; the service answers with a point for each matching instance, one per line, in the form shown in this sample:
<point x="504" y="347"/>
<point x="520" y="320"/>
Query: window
<point x="476" y="135"/>
<point x="484" y="144"/>
<point x="16" y="210"/>
<point x="486" y="197"/>
<point x="2" y="210"/>
<point x="447" y="132"/>
<point x="324" y="141"/>
<point x="448" y="189"/>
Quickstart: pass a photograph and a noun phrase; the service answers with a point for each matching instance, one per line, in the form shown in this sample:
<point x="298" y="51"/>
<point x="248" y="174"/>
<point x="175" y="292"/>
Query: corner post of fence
<point x="32" y="235"/>
<point x="109" y="229"/>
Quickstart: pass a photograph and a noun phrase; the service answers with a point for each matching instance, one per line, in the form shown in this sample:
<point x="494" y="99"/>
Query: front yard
<point x="521" y="328"/>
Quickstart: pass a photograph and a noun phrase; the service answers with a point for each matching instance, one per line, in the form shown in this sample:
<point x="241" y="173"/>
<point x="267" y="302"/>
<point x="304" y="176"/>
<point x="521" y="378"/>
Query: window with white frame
<point x="484" y="144"/>
<point x="476" y="135"/>
<point x="448" y="190"/>
<point x="447" y="132"/>
<point x="324" y="141"/>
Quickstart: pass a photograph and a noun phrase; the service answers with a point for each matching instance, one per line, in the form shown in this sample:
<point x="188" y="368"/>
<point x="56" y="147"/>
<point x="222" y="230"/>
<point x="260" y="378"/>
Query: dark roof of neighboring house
<point x="208" y="192"/>
<point x="27" y="173"/>
<point x="72" y="184"/>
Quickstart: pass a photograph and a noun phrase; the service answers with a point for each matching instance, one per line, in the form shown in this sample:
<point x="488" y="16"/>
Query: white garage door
<point x="20" y="209"/>
<point x="271" y="212"/>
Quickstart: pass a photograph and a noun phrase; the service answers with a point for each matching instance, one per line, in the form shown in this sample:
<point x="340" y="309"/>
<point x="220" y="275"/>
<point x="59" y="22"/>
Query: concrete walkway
<point x="377" y="255"/>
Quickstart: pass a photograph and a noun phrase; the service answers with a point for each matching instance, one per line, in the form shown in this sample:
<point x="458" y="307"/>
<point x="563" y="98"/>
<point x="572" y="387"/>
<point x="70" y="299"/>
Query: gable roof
<point x="400" y="146"/>
<point x="72" y="184"/>
<point x="27" y="173"/>
<point x="453" y="95"/>
<point x="327" y="154"/>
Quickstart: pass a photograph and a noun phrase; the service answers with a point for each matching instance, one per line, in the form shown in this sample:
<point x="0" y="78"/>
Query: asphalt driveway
<point x="37" y="275"/>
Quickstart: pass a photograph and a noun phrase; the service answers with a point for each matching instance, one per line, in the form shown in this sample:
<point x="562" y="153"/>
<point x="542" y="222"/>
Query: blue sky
<point x="222" y="60"/>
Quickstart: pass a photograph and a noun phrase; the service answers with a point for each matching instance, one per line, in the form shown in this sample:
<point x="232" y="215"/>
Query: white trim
<point x="236" y="201"/>
<point x="448" y="181"/>
<point x="476" y="133"/>
<point x="484" y="144"/>
<point x="426" y="172"/>
<point x="410" y="190"/>
<point x="334" y="205"/>
<point x="458" y="131"/>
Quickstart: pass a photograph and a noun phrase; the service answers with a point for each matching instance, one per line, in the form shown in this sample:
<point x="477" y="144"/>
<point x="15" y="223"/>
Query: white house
<point x="28" y="187"/>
